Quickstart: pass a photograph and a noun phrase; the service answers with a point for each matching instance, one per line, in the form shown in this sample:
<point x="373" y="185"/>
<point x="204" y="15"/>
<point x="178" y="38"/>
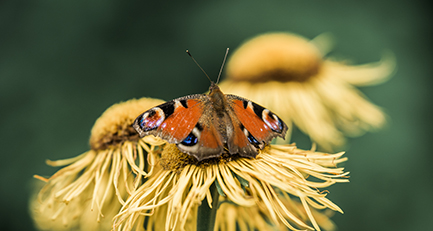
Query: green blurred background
<point x="62" y="63"/>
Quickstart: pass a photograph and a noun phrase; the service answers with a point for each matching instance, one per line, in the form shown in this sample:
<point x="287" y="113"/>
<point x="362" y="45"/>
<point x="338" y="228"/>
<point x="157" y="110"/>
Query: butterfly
<point x="208" y="125"/>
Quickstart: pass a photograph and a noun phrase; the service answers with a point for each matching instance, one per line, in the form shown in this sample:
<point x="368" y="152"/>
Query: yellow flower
<point x="89" y="190"/>
<point x="289" y="75"/>
<point x="231" y="217"/>
<point x="172" y="198"/>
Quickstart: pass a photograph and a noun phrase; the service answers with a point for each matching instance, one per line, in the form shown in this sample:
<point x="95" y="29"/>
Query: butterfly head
<point x="213" y="87"/>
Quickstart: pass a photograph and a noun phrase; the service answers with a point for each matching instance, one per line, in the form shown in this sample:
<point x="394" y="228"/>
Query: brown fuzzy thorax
<point x="217" y="98"/>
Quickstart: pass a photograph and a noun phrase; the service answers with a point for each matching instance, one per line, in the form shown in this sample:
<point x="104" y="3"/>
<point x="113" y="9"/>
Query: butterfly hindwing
<point x="204" y="141"/>
<point x="239" y="143"/>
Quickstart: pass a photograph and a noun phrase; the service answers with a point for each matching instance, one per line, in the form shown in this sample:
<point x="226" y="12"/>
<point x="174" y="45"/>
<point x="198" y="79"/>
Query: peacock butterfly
<point x="207" y="125"/>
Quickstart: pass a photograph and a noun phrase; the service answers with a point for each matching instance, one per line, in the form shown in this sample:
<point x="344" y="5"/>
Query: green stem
<point x="206" y="216"/>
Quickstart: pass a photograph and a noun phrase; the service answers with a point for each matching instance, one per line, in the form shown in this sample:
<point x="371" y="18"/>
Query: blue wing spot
<point x="190" y="140"/>
<point x="252" y="140"/>
<point x="280" y="124"/>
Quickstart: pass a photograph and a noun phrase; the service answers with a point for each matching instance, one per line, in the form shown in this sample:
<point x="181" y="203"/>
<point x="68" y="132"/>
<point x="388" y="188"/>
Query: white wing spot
<point x="177" y="104"/>
<point x="265" y="116"/>
<point x="250" y="105"/>
<point x="196" y="132"/>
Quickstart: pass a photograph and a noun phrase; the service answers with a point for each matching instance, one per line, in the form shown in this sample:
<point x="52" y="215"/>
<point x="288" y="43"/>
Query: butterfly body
<point x="207" y="125"/>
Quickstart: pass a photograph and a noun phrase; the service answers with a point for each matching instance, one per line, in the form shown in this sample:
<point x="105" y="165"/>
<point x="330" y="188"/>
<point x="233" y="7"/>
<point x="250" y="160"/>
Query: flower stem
<point x="206" y="216"/>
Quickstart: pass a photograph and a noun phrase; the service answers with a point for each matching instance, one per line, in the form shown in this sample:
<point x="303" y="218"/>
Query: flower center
<point x="108" y="139"/>
<point x="115" y="125"/>
<point x="278" y="57"/>
<point x="175" y="160"/>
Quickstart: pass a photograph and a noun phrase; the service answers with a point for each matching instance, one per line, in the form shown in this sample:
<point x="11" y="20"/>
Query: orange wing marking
<point x="182" y="121"/>
<point x="254" y="124"/>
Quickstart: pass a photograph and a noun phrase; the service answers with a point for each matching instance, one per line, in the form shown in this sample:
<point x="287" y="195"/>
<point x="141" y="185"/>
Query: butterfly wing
<point x="172" y="121"/>
<point x="238" y="142"/>
<point x="184" y="121"/>
<point x="205" y="141"/>
<point x="259" y="124"/>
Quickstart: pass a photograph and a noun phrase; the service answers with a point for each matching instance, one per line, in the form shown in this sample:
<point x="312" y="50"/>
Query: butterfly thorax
<point x="222" y="121"/>
<point x="218" y="99"/>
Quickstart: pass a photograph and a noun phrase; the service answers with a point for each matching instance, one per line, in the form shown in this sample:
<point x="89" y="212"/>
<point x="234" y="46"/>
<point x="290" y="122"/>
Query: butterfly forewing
<point x="173" y="120"/>
<point x="262" y="124"/>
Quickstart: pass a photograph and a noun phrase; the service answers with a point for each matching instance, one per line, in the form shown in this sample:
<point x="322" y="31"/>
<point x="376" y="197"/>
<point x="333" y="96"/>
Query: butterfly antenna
<point x="187" y="51"/>
<point x="222" y="66"/>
